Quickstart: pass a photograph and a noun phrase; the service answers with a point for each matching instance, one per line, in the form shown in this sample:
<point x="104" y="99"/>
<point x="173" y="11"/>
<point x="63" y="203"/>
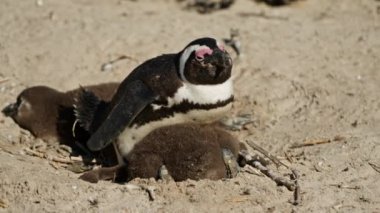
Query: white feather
<point x="184" y="57"/>
<point x="203" y="94"/>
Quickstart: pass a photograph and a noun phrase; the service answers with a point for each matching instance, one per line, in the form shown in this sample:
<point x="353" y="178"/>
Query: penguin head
<point x="34" y="109"/>
<point x="205" y="61"/>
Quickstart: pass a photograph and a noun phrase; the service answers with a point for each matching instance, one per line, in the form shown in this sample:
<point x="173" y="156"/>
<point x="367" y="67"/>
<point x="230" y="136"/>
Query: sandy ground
<point x="310" y="72"/>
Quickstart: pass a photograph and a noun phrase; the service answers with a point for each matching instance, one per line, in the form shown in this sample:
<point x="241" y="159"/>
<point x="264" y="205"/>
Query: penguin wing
<point x="135" y="98"/>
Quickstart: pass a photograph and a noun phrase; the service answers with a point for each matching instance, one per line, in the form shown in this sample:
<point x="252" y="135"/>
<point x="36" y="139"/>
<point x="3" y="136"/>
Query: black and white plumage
<point x="192" y="85"/>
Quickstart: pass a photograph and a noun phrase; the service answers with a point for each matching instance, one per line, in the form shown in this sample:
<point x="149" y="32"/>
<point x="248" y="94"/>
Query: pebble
<point x="40" y="3"/>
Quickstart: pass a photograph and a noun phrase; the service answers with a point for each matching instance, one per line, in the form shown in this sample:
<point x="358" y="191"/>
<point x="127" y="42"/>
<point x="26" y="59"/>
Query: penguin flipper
<point x="135" y="97"/>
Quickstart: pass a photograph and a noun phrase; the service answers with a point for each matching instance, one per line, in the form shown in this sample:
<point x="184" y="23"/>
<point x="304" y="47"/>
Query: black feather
<point x="89" y="109"/>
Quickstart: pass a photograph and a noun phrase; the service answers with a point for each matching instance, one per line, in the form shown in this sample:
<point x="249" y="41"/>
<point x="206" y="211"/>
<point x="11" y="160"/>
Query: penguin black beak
<point x="219" y="58"/>
<point x="10" y="110"/>
<point x="221" y="63"/>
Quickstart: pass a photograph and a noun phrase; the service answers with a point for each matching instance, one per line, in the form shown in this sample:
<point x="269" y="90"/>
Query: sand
<point x="309" y="72"/>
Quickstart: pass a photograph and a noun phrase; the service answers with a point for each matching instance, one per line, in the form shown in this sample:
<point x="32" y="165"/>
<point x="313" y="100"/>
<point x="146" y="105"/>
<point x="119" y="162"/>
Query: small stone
<point x="247" y="191"/>
<point x="40" y="3"/>
<point x="107" y="67"/>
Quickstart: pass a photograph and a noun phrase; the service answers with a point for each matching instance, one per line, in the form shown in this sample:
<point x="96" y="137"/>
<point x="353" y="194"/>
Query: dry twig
<point x="297" y="191"/>
<point x="280" y="181"/>
<point x="8" y="151"/>
<point x="310" y="143"/>
<point x="291" y="185"/>
<point x="252" y="171"/>
<point x="318" y="142"/>
<point x="374" y="166"/>
<point x="45" y="156"/>
<point x="262" y="15"/>
<point x="4" y="80"/>
<point x="288" y="157"/>
<point x="239" y="199"/>
<point x="266" y="153"/>
<point x="341" y="186"/>
<point x="54" y="165"/>
<point x="3" y="204"/>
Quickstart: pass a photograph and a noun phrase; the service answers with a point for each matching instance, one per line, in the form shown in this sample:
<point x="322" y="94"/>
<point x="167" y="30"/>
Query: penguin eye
<point x="199" y="58"/>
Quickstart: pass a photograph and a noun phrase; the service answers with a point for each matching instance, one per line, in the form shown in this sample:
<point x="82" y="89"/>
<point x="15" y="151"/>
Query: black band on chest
<point x="149" y="114"/>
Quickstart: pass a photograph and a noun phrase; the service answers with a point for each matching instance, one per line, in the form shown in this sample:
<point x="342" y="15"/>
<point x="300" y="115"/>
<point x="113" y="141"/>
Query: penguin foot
<point x="79" y="167"/>
<point x="230" y="162"/>
<point x="245" y="158"/>
<point x="256" y="162"/>
<point x="105" y="173"/>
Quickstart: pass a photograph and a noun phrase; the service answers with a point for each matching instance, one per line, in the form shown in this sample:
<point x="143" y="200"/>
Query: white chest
<point x="203" y="94"/>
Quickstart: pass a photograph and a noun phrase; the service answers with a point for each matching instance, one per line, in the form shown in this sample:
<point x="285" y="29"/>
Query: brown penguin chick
<point x="188" y="151"/>
<point x="48" y="113"/>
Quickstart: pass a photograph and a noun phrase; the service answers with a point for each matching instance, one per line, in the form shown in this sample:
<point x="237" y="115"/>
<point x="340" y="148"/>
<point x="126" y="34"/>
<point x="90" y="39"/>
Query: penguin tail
<point x="87" y="109"/>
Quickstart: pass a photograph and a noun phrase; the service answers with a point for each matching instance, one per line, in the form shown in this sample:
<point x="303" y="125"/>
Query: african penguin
<point x="187" y="151"/>
<point x="193" y="85"/>
<point x="49" y="114"/>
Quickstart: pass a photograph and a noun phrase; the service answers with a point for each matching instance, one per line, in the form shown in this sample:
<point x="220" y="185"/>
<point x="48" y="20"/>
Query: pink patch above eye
<point x="201" y="52"/>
